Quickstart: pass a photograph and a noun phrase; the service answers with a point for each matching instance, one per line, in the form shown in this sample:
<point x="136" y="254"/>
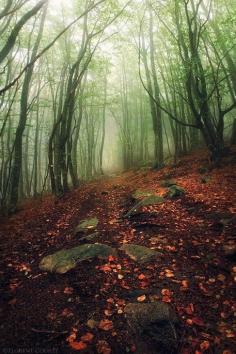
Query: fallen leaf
<point x="71" y="338"/>
<point x="169" y="273"/>
<point x="78" y="345"/>
<point x="103" y="347"/>
<point x="105" y="268"/>
<point x="111" y="258"/>
<point x="141" y="298"/>
<point x="67" y="313"/>
<point x="166" y="299"/>
<point x="221" y="277"/>
<point x="189" y="309"/>
<point x="68" y="291"/>
<point x="205" y="345"/>
<point x="198" y="321"/>
<point x="166" y="292"/>
<point x="185" y="284"/>
<point x="106" y="325"/>
<point x="92" y="323"/>
<point x="141" y="277"/>
<point x="88" y="337"/>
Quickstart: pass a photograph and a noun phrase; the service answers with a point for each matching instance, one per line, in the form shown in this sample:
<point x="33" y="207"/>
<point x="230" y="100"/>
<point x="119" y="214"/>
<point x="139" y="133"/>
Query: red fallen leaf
<point x="78" y="345"/>
<point x="105" y="268"/>
<point x="202" y="287"/>
<point x="166" y="292"/>
<point x="88" y="337"/>
<point x="198" y="321"/>
<point x="197" y="352"/>
<point x="169" y="273"/>
<point x="68" y="291"/>
<point x="205" y="345"/>
<point x="141" y="277"/>
<point x="133" y="349"/>
<point x="141" y="298"/>
<point x="185" y="284"/>
<point x="166" y="299"/>
<point x="111" y="258"/>
<point x="71" y="338"/>
<point x="106" y="325"/>
<point x="67" y="313"/>
<point x="103" y="347"/>
<point x="189" y="309"/>
<point x="110" y="300"/>
<point x="171" y="248"/>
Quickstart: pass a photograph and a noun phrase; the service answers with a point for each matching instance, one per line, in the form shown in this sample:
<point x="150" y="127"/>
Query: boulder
<point x="90" y="237"/>
<point x="65" y="260"/>
<point x="175" y="192"/>
<point x="153" y="323"/>
<point x="151" y="200"/>
<point x="140" y="194"/>
<point x="87" y="224"/>
<point x="139" y="253"/>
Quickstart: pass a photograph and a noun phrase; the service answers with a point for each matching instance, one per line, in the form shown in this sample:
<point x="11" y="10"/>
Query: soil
<point x="40" y="311"/>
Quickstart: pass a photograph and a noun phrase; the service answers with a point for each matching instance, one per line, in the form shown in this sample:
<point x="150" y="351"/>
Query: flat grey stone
<point x="87" y="224"/>
<point x="140" y="194"/>
<point x="175" y="192"/>
<point x="139" y="253"/>
<point x="65" y="260"/>
<point x="155" y="321"/>
<point x="151" y="200"/>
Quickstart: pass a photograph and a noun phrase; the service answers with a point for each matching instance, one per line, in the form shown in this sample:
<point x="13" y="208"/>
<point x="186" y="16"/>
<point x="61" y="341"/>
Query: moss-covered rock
<point x="175" y="192"/>
<point x="65" y="260"/>
<point x="87" y="224"/>
<point x="140" y="194"/>
<point x="139" y="253"/>
<point x="153" y="325"/>
<point x="151" y="200"/>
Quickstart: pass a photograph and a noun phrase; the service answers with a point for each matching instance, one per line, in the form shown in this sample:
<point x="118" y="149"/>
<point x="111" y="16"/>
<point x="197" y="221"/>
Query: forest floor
<point x="41" y="311"/>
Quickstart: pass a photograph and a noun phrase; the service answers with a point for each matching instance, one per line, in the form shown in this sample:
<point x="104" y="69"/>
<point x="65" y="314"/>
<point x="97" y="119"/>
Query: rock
<point x="153" y="323"/>
<point x="168" y="183"/>
<point x="151" y="200"/>
<point x="175" y="192"/>
<point x="139" y="253"/>
<point x="65" y="260"/>
<point x="87" y="224"/>
<point x="90" y="237"/>
<point x="140" y="194"/>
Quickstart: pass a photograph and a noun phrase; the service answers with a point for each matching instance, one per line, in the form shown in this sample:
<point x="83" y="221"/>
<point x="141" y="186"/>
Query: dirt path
<point x="40" y="310"/>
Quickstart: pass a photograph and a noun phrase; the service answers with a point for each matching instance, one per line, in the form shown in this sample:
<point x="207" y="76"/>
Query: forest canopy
<point x="94" y="87"/>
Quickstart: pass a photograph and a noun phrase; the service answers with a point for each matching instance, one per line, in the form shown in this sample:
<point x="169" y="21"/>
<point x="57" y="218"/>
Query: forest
<point x="118" y="176"/>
